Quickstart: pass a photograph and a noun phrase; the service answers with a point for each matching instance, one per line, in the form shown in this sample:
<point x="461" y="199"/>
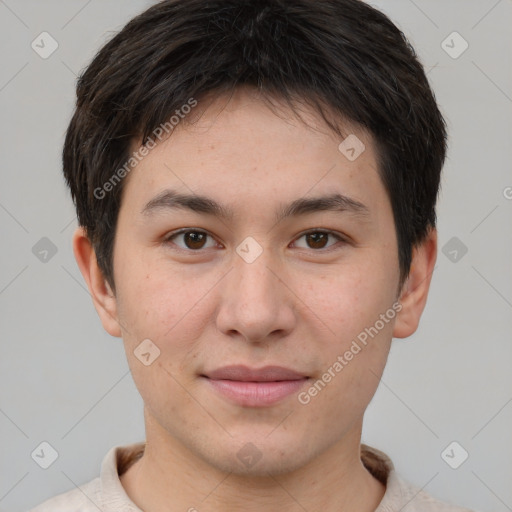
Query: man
<point x="255" y="184"/>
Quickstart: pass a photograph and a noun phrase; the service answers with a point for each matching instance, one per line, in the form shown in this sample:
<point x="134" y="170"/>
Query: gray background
<point x="65" y="381"/>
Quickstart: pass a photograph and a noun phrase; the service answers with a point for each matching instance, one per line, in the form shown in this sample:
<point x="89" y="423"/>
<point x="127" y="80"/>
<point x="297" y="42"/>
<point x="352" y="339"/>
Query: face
<point x="256" y="296"/>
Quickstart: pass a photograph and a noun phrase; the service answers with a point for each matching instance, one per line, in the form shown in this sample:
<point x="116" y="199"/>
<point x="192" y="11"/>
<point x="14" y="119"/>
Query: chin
<point x="256" y="457"/>
<point x="270" y="464"/>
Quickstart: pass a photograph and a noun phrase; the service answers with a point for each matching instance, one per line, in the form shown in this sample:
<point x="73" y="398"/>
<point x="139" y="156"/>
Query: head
<point x="301" y="146"/>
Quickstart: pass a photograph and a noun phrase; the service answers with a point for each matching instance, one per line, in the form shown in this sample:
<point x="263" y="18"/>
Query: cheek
<point x="347" y="301"/>
<point x="149" y="306"/>
<point x="163" y="309"/>
<point x="354" y="351"/>
<point x="167" y="307"/>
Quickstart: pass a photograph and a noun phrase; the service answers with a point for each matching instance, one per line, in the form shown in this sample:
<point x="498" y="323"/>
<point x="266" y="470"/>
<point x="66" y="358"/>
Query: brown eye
<point x="319" y="239"/>
<point x="189" y="239"/>
<point x="194" y="239"/>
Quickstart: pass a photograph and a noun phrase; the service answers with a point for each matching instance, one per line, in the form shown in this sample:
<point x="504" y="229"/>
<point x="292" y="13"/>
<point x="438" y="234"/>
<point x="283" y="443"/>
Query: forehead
<point x="239" y="149"/>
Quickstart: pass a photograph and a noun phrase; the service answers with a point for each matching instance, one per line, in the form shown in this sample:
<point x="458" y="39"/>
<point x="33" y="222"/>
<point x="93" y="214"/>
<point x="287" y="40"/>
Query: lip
<point x="245" y="374"/>
<point x="255" y="387"/>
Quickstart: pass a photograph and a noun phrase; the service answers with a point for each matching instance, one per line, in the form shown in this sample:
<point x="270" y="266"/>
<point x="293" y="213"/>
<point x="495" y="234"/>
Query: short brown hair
<point x="340" y="55"/>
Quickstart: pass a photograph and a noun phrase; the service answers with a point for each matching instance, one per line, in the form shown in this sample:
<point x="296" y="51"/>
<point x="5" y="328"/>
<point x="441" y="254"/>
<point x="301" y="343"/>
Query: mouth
<point x="251" y="387"/>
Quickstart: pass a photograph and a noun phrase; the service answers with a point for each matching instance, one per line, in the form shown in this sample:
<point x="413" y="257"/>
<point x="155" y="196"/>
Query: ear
<point x="102" y="296"/>
<point x="413" y="296"/>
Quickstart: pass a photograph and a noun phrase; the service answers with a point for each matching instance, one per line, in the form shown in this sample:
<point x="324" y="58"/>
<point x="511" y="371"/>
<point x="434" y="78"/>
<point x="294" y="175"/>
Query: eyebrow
<point x="169" y="199"/>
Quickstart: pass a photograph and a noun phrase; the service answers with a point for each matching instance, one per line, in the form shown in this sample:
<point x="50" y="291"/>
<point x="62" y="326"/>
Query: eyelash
<point x="168" y="239"/>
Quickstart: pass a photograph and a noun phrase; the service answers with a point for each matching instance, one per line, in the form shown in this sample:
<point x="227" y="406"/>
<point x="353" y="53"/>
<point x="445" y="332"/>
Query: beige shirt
<point x="106" y="494"/>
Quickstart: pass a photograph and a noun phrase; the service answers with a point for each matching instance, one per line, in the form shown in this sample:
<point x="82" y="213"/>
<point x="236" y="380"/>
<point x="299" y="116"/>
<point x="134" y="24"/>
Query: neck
<point x="169" y="473"/>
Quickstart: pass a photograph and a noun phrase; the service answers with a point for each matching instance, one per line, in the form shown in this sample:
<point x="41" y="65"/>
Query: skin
<point x="298" y="305"/>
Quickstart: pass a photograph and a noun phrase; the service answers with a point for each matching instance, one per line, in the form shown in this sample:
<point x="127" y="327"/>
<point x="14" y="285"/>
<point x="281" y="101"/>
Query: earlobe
<point x="413" y="297"/>
<point x="102" y="295"/>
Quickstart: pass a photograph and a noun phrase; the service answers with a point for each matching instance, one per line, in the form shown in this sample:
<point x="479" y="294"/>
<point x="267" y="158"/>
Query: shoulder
<point x="400" y="495"/>
<point x="104" y="493"/>
<point x="404" y="496"/>
<point x="83" y="499"/>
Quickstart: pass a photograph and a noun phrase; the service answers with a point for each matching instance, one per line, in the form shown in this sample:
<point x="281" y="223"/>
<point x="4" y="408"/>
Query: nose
<point x="256" y="301"/>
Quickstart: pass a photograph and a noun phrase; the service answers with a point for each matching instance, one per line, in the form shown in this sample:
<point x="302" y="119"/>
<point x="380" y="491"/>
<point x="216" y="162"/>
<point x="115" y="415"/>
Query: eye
<point x="318" y="239"/>
<point x="196" y="239"/>
<point x="191" y="239"/>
